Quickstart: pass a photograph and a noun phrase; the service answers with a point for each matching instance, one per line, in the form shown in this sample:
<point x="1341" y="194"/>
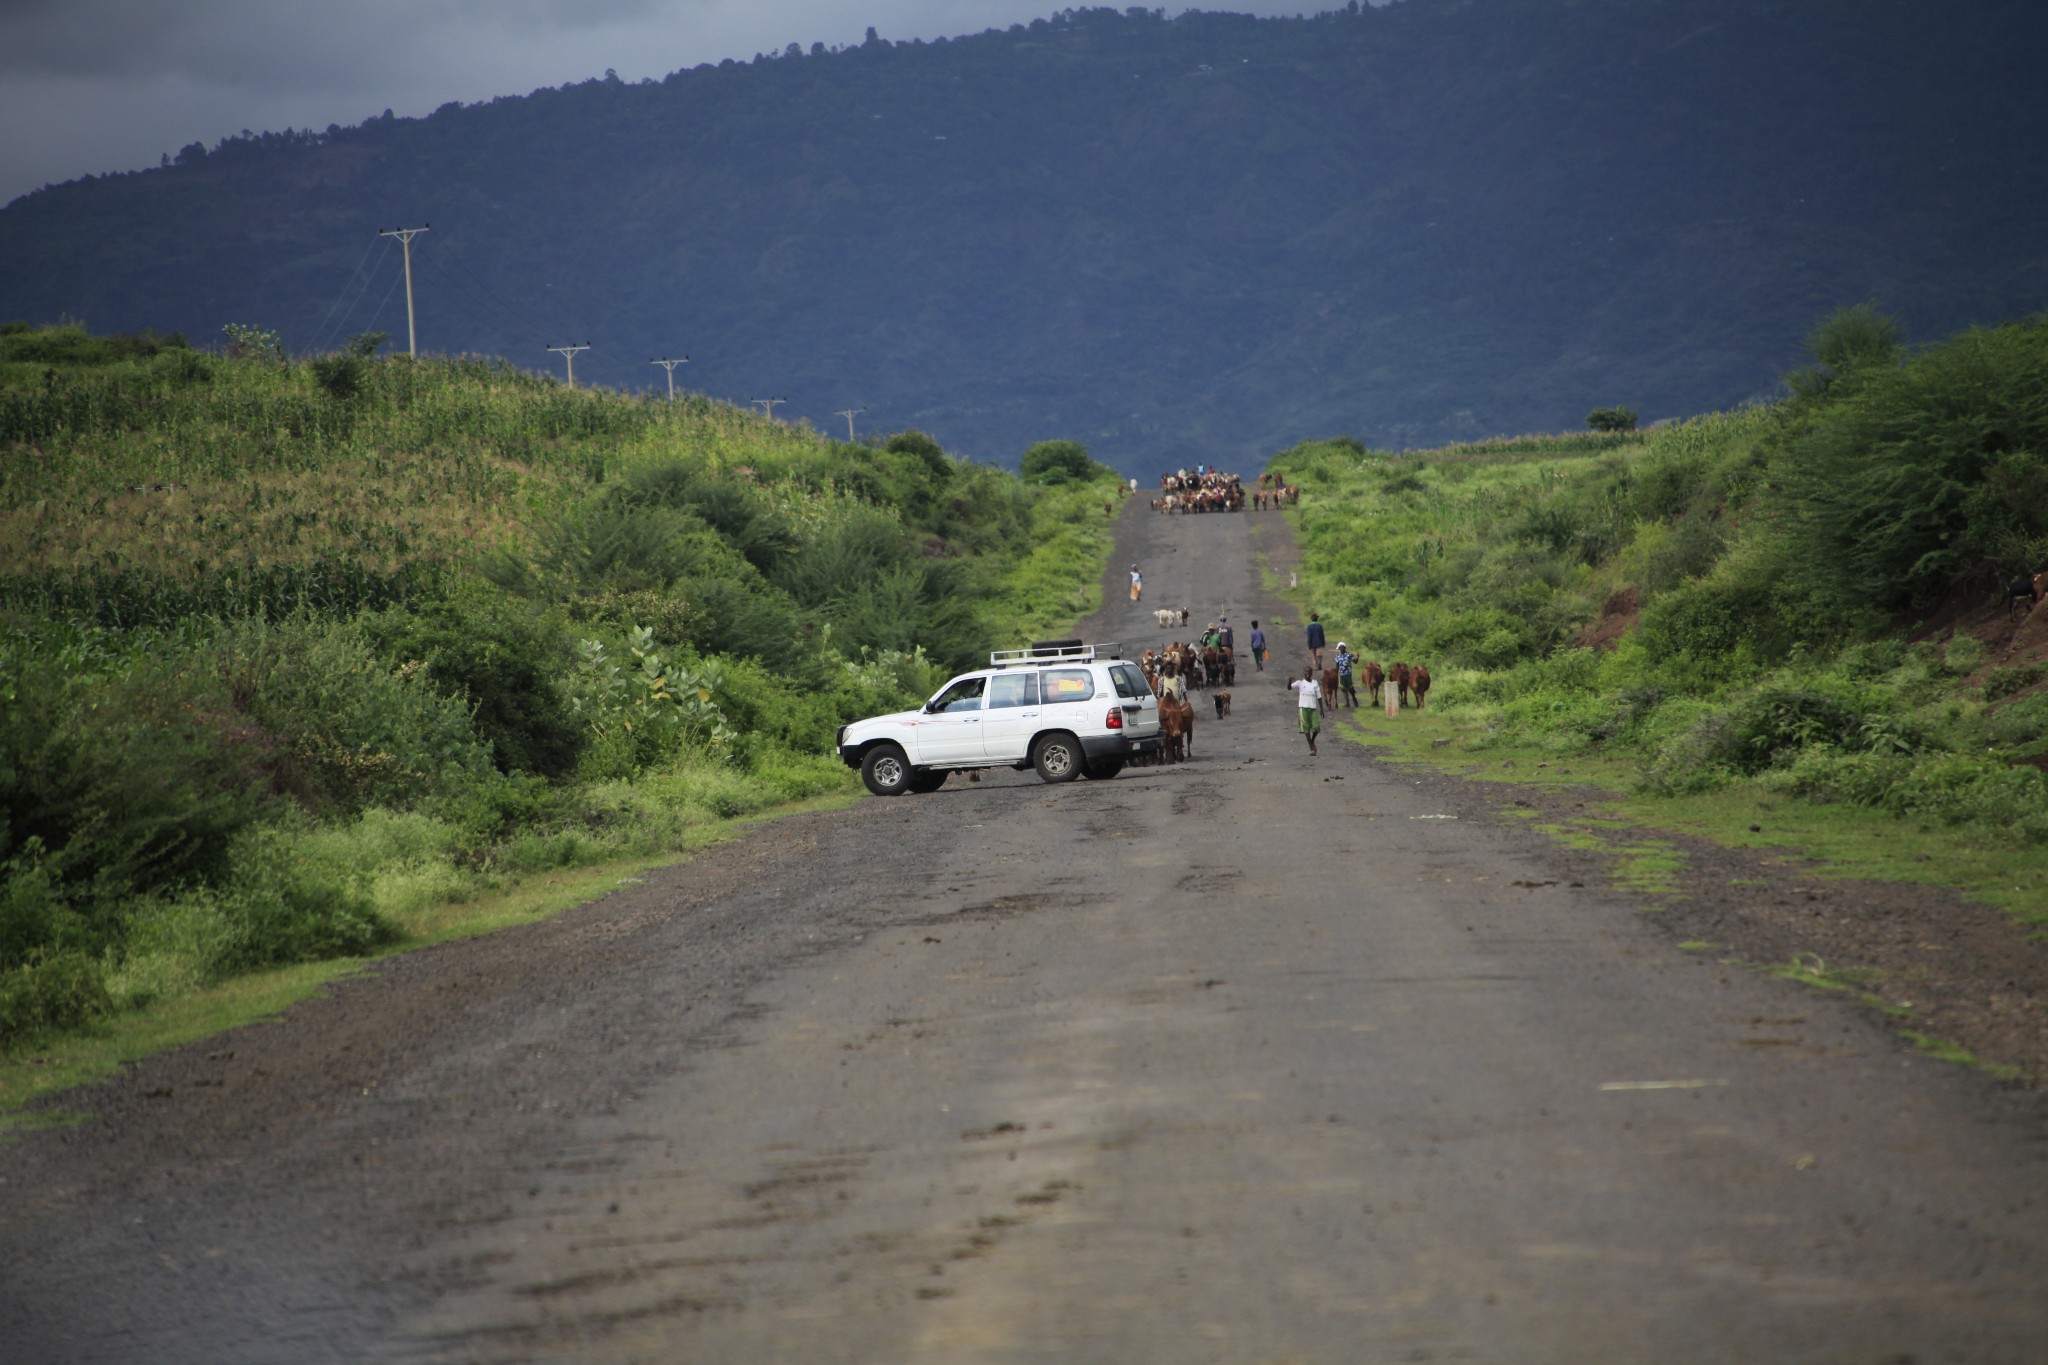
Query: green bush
<point x="1056" y="462"/>
<point x="505" y="658"/>
<point x="49" y="992"/>
<point x="351" y="732"/>
<point x="122" y="780"/>
<point x="1912" y="478"/>
<point x="280" y="908"/>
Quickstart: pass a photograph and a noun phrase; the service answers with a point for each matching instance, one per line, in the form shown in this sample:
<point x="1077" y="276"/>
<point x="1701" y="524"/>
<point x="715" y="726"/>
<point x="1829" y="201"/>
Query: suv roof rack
<point x="1055" y="651"/>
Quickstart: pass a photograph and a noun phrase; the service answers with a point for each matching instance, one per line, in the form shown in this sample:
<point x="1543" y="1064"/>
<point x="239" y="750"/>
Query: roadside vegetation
<point x="296" y="654"/>
<point x="1796" y="602"/>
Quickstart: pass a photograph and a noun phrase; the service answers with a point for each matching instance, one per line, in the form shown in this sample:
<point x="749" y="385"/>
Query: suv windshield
<point x="1129" y="681"/>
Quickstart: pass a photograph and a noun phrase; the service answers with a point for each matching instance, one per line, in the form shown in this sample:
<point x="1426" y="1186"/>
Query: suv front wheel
<point x="1058" y="757"/>
<point x="885" y="770"/>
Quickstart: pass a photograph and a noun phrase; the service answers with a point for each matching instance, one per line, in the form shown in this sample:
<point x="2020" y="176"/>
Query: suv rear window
<point x="1067" y="684"/>
<point x="1129" y="681"/>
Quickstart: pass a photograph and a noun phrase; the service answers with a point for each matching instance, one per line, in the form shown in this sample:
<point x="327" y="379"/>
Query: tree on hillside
<point x="1848" y="341"/>
<point x="1055" y="462"/>
<point x="1612" y="419"/>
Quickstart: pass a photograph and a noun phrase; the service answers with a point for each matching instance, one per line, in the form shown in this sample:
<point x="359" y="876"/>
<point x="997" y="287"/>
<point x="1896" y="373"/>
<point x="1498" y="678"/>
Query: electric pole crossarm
<point x="405" y="236"/>
<point x="670" y="366"/>
<point x="849" y="414"/>
<point x="569" y="354"/>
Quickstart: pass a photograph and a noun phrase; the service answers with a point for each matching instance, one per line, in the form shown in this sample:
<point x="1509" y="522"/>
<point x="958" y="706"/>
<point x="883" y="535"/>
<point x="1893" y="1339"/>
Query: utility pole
<point x="849" y="414"/>
<point x="670" y="366"/>
<point x="767" y="405"/>
<point x="405" y="236"/>
<point x="569" y="353"/>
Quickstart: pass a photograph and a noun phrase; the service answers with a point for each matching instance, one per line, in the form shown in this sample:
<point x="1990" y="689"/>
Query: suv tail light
<point x="1115" y="719"/>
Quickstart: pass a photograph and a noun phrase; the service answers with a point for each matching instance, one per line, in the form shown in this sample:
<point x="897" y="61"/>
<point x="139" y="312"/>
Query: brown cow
<point x="1187" y="727"/>
<point x="1222" y="700"/>
<point x="1329" y="682"/>
<point x="1174" y="749"/>
<point x="1372" y="675"/>
<point x="1418" y="683"/>
<point x="1397" y="674"/>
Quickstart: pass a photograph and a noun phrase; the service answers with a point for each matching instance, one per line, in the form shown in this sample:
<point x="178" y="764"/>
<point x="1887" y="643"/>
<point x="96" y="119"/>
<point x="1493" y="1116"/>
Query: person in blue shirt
<point x="1315" y="639"/>
<point x="1258" y="647"/>
<point x="1345" y="661"/>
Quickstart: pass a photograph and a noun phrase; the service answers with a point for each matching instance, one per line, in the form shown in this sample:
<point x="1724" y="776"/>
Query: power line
<point x="320" y="332"/>
<point x="389" y="290"/>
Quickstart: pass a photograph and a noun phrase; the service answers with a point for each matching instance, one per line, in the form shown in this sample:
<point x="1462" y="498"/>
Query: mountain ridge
<point x="1199" y="238"/>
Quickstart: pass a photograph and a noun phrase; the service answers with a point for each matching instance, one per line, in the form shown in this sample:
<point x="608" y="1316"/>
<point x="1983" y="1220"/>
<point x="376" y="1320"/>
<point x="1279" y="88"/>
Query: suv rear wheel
<point x="1058" y="757"/>
<point x="885" y="770"/>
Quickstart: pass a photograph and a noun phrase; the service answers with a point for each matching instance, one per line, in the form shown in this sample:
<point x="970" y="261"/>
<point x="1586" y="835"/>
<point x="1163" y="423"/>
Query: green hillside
<point x="1801" y="601"/>
<point x="292" y="653"/>
<point x="1203" y="237"/>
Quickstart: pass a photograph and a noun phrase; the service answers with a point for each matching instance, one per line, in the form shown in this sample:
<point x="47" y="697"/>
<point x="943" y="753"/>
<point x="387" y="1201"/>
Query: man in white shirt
<point x="1309" y="700"/>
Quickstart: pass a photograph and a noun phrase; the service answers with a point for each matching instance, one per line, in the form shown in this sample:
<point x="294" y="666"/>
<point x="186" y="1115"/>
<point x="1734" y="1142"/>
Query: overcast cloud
<point x="91" y="86"/>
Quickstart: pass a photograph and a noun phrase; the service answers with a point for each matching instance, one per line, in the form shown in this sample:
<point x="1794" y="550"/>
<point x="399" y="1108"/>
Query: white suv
<point x="1065" y="708"/>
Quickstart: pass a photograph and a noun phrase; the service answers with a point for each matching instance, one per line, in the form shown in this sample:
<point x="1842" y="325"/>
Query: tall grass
<point x="1715" y="598"/>
<point x="288" y="651"/>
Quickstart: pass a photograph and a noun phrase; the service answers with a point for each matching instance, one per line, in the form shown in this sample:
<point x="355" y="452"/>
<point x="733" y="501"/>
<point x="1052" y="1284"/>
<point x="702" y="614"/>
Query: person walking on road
<point x="1315" y="639"/>
<point x="1137" y="583"/>
<point x="1309" y="703"/>
<point x="1258" y="641"/>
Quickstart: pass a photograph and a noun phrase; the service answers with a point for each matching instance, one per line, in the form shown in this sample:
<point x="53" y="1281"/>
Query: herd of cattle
<point x="1213" y="491"/>
<point x="1410" y="683"/>
<point x="1178" y="668"/>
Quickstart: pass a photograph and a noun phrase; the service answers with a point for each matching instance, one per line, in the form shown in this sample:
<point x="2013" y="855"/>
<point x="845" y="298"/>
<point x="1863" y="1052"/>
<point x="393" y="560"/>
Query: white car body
<point x="1067" y="708"/>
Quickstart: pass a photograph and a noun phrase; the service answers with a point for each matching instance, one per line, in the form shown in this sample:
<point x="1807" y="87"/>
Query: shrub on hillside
<point x="505" y="658"/>
<point x="130" y="777"/>
<point x="280" y="910"/>
<point x="1056" y="462"/>
<point x="51" y="991"/>
<point x="1912" y="478"/>
<point x="350" y="731"/>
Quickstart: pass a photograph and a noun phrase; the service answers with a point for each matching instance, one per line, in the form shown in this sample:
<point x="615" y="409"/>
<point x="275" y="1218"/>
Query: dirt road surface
<point x="1261" y="1058"/>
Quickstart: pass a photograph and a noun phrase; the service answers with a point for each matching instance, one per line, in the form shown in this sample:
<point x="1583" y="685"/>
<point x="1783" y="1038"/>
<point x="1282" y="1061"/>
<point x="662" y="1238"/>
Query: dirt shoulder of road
<point x="1952" y="976"/>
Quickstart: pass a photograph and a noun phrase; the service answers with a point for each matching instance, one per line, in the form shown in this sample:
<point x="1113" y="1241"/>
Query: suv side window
<point x="1012" y="689"/>
<point x="1129" y="681"/>
<point x="963" y="695"/>
<point x="1068" y="684"/>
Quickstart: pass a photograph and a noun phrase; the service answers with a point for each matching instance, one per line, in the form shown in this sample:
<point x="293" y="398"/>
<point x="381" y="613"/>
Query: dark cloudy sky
<point x="89" y="86"/>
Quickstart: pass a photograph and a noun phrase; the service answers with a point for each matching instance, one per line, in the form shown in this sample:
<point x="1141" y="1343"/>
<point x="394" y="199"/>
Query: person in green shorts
<point x="1309" y="701"/>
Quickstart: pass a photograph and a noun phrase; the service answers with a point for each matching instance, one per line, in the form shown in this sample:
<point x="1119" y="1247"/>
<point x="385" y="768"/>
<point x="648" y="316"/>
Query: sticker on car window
<point x="1069" y="685"/>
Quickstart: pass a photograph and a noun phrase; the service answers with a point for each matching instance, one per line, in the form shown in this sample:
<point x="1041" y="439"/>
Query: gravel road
<point x="1261" y="1058"/>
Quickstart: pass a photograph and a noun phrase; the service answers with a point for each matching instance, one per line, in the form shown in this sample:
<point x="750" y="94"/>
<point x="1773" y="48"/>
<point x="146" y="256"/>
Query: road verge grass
<point x="1841" y="842"/>
<point x="29" y="1074"/>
